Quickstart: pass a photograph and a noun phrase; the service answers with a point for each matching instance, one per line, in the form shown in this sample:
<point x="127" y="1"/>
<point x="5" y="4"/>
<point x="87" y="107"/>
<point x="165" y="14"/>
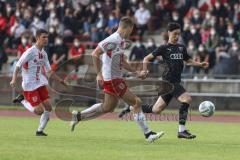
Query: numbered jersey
<point x="31" y="63"/>
<point x="112" y="59"/>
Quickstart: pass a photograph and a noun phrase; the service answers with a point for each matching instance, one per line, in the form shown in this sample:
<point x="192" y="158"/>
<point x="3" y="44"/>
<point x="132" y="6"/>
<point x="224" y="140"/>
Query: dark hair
<point x="41" y="31"/>
<point x="126" y="22"/>
<point x="173" y="26"/>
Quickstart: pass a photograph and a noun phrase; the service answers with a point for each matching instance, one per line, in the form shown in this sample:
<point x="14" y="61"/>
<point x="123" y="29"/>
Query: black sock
<point x="147" y="108"/>
<point x="183" y="112"/>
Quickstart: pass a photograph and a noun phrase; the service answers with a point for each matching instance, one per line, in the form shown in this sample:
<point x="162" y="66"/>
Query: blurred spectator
<point x="196" y="19"/>
<point x="3" y="57"/>
<point x="60" y="51"/>
<point x="112" y="23"/>
<point x="98" y="31"/>
<point x="142" y="17"/>
<point x="16" y="31"/>
<point x="138" y="52"/>
<point x="230" y="36"/>
<point x="176" y="18"/>
<point x="201" y="56"/>
<point x="223" y="62"/>
<point x="221" y="27"/>
<point x="36" y="24"/>
<point x="27" y="18"/>
<point x="23" y="46"/>
<point x="107" y="7"/>
<point x="91" y="17"/>
<point x="70" y="23"/>
<point x="192" y="34"/>
<point x="77" y="50"/>
<point x="219" y="10"/>
<point x="192" y="51"/>
<point x="3" y="26"/>
<point x="234" y="53"/>
<point x="211" y="45"/>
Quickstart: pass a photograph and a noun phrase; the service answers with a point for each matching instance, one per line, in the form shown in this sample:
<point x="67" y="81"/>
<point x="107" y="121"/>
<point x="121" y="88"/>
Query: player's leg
<point x="156" y="108"/>
<point x="109" y="104"/>
<point x="29" y="101"/>
<point x="44" y="119"/>
<point x="185" y="100"/>
<point x="46" y="105"/>
<point x="139" y="117"/>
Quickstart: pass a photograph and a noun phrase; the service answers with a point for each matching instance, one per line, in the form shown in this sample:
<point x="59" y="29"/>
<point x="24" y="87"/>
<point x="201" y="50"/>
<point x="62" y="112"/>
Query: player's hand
<point x="142" y="74"/>
<point x="205" y="65"/>
<point x="100" y="80"/>
<point x="13" y="83"/>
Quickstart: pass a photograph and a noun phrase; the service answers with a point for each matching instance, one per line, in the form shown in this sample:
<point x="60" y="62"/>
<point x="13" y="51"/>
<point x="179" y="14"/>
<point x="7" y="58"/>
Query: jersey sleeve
<point x="158" y="52"/>
<point x="107" y="44"/>
<point x="46" y="63"/>
<point x="186" y="56"/>
<point x="26" y="56"/>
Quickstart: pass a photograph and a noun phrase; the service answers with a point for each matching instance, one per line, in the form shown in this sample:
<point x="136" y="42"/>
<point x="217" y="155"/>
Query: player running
<point x="35" y="98"/>
<point x="110" y="75"/>
<point x="174" y="55"/>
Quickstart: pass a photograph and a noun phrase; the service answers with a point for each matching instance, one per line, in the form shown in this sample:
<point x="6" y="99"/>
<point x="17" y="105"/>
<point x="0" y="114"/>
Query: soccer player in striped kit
<point x="35" y="96"/>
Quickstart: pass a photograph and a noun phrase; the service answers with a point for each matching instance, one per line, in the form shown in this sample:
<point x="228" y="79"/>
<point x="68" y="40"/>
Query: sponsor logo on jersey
<point x="176" y="56"/>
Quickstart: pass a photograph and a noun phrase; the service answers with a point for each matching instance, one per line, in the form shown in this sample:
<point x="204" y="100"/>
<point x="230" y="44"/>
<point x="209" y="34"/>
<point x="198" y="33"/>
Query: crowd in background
<point x="210" y="28"/>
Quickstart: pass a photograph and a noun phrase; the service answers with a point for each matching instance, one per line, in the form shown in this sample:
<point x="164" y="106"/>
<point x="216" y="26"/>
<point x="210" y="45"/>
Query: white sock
<point x="141" y="120"/>
<point x="181" y="128"/>
<point x="92" y="112"/>
<point x="43" y="120"/>
<point x="27" y="105"/>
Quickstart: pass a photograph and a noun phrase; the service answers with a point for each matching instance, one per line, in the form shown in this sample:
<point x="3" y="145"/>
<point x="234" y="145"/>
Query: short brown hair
<point x="126" y="22"/>
<point x="41" y="31"/>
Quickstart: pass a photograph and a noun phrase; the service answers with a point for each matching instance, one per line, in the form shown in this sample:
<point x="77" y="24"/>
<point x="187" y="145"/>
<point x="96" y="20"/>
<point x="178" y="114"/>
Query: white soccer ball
<point x="207" y="108"/>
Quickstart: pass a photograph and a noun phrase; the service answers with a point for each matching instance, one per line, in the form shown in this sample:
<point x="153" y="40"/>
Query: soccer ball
<point x="207" y="108"/>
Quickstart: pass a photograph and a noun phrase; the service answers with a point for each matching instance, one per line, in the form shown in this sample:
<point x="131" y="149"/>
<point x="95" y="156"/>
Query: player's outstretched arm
<point x="191" y="62"/>
<point x="14" y="77"/>
<point x="146" y="60"/>
<point x="97" y="64"/>
<point x="128" y="67"/>
<point x="53" y="75"/>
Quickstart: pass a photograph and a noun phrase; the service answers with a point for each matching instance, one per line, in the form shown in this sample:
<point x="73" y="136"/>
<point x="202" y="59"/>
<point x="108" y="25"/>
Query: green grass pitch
<point x="115" y="140"/>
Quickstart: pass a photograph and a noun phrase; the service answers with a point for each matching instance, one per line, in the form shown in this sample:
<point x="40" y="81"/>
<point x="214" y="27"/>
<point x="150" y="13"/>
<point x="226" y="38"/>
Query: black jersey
<point x="173" y="56"/>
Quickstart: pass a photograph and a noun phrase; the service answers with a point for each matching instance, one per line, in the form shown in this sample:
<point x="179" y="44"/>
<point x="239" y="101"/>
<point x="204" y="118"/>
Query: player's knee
<point x="38" y="112"/>
<point x="158" y="109"/>
<point x="49" y="108"/>
<point x="188" y="99"/>
<point x="108" y="110"/>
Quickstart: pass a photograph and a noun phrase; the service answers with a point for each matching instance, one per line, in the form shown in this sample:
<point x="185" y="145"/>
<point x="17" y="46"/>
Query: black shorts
<point x="177" y="91"/>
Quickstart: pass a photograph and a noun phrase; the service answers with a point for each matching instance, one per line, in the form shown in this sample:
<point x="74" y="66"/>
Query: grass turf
<point x="102" y="139"/>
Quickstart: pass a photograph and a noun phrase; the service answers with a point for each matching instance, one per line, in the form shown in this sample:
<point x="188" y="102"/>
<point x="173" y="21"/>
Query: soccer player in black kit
<point x="174" y="55"/>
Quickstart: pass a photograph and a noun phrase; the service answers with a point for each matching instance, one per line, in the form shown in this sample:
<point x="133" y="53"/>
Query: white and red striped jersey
<point x="31" y="62"/>
<point x="112" y="58"/>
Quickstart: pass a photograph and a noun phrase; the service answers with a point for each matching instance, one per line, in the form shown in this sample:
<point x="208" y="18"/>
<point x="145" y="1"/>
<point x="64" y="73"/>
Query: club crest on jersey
<point x="35" y="98"/>
<point x="110" y="46"/>
<point x="180" y="49"/>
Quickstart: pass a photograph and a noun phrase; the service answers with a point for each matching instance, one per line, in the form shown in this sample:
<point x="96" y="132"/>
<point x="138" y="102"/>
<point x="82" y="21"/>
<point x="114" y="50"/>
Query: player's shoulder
<point x="113" y="37"/>
<point x="29" y="50"/>
<point x="163" y="46"/>
<point x="181" y="45"/>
